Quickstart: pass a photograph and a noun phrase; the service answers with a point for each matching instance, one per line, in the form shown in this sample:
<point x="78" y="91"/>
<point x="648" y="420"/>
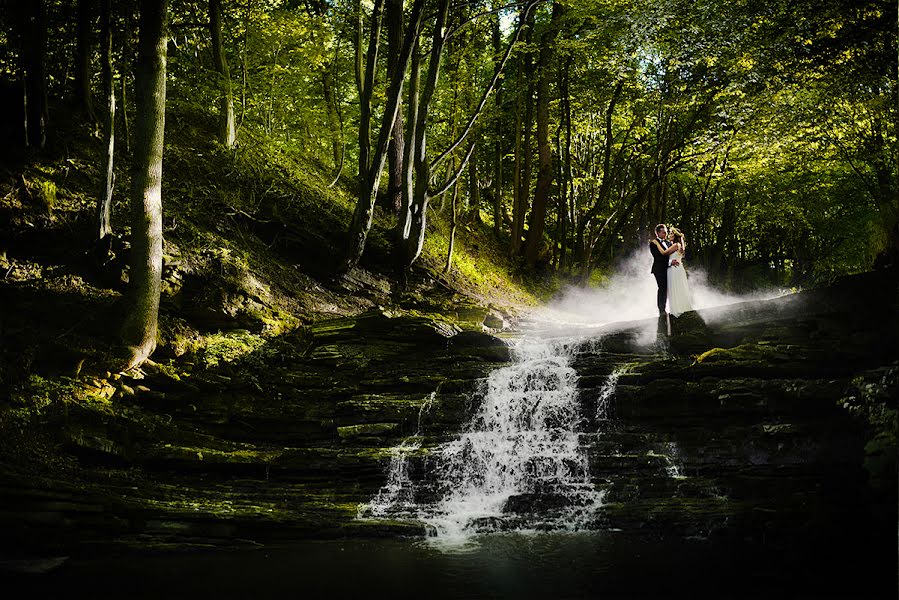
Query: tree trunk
<point x="498" y="156"/>
<point x="545" y="169"/>
<point x="396" y="149"/>
<point x="83" y="18"/>
<point x="335" y="122"/>
<point x="104" y="199"/>
<point x="337" y="150"/>
<point x="125" y="121"/>
<point x="139" y="330"/>
<point x="567" y="192"/>
<point x="474" y="194"/>
<point x="524" y="183"/>
<point x="364" y="213"/>
<point x="371" y="164"/>
<point x="34" y="53"/>
<point x="226" y="101"/>
<point x="517" y="218"/>
<point x="452" y="236"/>
<point x="404" y="222"/>
<point x="422" y="168"/>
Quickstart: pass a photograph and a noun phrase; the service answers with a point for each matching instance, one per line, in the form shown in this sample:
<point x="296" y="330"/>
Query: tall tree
<point x="394" y="16"/>
<point x="545" y="169"/>
<point x="139" y="330"/>
<point x="498" y="148"/>
<point x="226" y="99"/>
<point x="371" y="163"/>
<point x="104" y="198"/>
<point x="523" y="123"/>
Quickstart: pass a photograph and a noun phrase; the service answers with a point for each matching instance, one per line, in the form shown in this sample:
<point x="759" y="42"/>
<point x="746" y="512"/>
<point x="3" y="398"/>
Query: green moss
<point x="46" y="194"/>
<point x="229" y="346"/>
<point x="366" y="429"/>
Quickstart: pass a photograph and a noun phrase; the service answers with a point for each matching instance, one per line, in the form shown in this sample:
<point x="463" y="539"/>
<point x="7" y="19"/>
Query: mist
<point x="630" y="295"/>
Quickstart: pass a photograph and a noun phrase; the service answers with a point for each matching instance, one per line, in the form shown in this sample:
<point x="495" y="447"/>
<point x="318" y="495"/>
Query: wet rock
<point x="481" y="345"/>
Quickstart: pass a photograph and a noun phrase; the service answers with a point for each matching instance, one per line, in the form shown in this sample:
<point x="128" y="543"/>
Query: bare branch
<point x="462" y="24"/>
<point x="474" y="117"/>
<point x="452" y="180"/>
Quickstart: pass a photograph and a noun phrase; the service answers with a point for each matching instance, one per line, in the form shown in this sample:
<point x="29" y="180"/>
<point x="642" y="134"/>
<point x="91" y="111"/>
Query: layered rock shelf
<point x="750" y="419"/>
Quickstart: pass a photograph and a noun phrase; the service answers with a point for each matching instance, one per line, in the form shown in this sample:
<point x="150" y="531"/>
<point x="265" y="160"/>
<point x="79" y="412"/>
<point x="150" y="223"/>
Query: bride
<point x="678" y="290"/>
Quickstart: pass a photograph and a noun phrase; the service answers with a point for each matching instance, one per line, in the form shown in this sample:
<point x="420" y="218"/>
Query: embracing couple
<point x="667" y="265"/>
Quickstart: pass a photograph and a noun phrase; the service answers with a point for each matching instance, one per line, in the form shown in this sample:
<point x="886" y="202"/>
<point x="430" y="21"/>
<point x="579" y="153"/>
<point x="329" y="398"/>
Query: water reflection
<point x="556" y="565"/>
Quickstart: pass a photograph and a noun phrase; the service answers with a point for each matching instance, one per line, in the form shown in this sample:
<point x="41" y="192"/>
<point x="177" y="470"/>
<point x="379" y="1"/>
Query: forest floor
<point x="251" y="241"/>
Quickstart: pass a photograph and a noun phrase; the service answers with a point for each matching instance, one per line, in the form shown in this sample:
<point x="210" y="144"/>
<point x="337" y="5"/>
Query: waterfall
<point x="397" y="496"/>
<point x="518" y="464"/>
<point x="606" y="393"/>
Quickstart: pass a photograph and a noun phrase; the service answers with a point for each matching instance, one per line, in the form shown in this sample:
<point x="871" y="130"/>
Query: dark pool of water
<point x="588" y="565"/>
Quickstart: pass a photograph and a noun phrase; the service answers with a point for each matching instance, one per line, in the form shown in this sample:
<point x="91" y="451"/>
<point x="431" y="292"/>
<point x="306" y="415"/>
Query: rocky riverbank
<point x="764" y="418"/>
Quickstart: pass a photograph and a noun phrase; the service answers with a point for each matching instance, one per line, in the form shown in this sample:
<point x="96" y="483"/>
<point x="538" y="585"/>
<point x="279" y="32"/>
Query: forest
<point x="766" y="131"/>
<point x="276" y="274"/>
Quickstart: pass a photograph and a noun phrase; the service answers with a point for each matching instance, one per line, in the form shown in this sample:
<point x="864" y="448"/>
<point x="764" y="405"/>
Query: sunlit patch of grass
<point x="229" y="346"/>
<point x="38" y="395"/>
<point x="480" y="264"/>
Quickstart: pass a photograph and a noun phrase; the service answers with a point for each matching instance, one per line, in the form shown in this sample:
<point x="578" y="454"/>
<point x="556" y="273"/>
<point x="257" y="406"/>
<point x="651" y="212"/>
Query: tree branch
<point x="452" y="180"/>
<point x="474" y="117"/>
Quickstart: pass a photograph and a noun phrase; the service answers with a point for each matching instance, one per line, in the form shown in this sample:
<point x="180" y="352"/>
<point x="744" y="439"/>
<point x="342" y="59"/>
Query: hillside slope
<point x="252" y="237"/>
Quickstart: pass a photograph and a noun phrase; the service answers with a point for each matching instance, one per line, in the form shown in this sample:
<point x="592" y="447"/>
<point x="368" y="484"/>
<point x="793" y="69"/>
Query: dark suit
<point x="660" y="270"/>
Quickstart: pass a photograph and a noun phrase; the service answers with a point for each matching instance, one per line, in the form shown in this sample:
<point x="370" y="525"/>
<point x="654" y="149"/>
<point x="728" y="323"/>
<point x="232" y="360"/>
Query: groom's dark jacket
<point x="659" y="260"/>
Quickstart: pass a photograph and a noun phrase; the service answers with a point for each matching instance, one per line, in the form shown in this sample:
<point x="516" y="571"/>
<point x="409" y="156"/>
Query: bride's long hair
<point x="678" y="237"/>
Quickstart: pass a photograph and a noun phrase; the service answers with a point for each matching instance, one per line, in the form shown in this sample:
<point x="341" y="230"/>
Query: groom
<point x="660" y="265"/>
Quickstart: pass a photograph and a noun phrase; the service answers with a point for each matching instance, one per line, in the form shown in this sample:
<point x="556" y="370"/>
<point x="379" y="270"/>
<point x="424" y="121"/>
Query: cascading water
<point x="397" y="496"/>
<point x="606" y="393"/>
<point x="518" y="463"/>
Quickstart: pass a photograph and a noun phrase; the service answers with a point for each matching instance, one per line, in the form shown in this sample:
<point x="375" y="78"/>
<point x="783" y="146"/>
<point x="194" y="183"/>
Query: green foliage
<point x="872" y="399"/>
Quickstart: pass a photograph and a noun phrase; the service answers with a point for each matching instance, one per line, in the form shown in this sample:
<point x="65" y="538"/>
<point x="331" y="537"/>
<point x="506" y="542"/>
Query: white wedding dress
<point x="679" y="300"/>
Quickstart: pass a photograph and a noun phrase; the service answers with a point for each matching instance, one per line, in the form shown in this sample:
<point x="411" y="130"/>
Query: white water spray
<point x="630" y="295"/>
<point x="397" y="496"/>
<point x="605" y="394"/>
<point x="519" y="462"/>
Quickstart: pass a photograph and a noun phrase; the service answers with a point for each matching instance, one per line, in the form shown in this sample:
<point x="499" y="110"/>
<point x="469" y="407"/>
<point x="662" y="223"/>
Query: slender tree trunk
<point x="226" y="100"/>
<point x="104" y="204"/>
<point x="567" y="191"/>
<point x="34" y="53"/>
<point x="83" y="18"/>
<point x="333" y="118"/>
<point x="320" y="10"/>
<point x="525" y="193"/>
<point x="393" y="13"/>
<point x="524" y="180"/>
<point x="362" y="216"/>
<point x="243" y="62"/>
<point x="517" y="217"/>
<point x="498" y="156"/>
<point x="474" y="194"/>
<point x="452" y="236"/>
<point x="602" y="196"/>
<point x="545" y="169"/>
<point x="125" y="112"/>
<point x="139" y="330"/>
<point x="404" y="223"/>
<point x="270" y="114"/>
